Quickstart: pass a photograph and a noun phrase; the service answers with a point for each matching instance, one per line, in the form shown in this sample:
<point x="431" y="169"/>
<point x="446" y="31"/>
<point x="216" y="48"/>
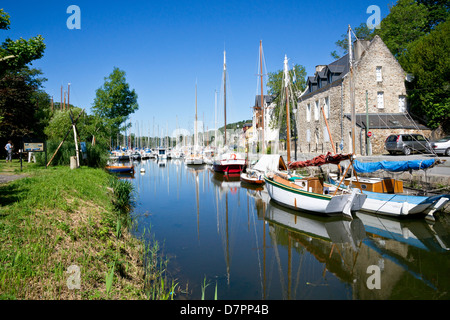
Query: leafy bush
<point x="96" y="155"/>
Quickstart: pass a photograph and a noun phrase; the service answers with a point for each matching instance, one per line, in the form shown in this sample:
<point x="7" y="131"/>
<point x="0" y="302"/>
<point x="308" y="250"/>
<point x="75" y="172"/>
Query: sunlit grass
<point x="54" y="218"/>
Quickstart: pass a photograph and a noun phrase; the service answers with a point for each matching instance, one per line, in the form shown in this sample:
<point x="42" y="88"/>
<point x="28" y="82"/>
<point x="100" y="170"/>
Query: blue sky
<point x="166" y="47"/>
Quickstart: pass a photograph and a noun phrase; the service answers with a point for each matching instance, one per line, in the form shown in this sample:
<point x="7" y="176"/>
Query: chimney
<point x="320" y="68"/>
<point x="359" y="46"/>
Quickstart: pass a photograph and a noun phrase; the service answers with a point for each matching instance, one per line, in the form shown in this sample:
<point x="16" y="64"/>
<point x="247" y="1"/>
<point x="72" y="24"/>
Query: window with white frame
<point x="379" y="74"/>
<point x="316" y="110"/>
<point x="327" y="107"/>
<point x="380" y="100"/>
<point x="308" y="135"/>
<point x="308" y="112"/>
<point x="326" y="137"/>
<point x="401" y="103"/>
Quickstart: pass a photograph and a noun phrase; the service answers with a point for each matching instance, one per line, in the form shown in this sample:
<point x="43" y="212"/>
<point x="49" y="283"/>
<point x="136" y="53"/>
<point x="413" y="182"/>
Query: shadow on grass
<point x="10" y="193"/>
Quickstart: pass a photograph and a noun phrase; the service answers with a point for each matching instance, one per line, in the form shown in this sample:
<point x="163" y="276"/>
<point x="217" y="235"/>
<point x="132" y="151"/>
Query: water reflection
<point x="214" y="227"/>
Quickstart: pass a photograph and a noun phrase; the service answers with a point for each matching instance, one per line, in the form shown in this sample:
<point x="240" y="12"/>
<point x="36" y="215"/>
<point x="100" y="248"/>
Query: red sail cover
<point x="320" y="160"/>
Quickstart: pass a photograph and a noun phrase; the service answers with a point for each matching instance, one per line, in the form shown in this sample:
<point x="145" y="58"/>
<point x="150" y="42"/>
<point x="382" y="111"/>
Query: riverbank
<point x="64" y="238"/>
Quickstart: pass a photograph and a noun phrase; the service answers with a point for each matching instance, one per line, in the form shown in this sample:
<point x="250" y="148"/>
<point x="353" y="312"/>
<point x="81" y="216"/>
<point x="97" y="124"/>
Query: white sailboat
<point x="386" y="197"/>
<point x="252" y="175"/>
<point x="307" y="194"/>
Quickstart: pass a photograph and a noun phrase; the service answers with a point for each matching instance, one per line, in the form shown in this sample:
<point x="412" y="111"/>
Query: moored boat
<point x="252" y="177"/>
<point x="387" y="198"/>
<point x="308" y="193"/>
<point x="268" y="162"/>
<point x="229" y="163"/>
<point x="120" y="168"/>
<point x="194" y="159"/>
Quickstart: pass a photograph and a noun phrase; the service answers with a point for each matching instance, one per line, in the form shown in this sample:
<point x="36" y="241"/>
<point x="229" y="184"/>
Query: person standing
<point x="9" y="148"/>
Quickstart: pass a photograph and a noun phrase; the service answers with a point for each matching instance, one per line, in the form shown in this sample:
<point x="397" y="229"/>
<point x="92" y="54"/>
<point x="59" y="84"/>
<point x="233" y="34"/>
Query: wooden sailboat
<point x="256" y="176"/>
<point x="268" y="162"/>
<point x="307" y="194"/>
<point x="229" y="162"/>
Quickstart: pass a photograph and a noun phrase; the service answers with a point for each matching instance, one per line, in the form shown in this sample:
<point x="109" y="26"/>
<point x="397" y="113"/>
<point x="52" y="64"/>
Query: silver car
<point x="407" y="143"/>
<point x="442" y="146"/>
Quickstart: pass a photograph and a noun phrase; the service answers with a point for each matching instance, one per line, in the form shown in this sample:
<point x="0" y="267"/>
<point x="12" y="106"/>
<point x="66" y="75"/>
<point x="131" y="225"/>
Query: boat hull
<point x="397" y="205"/>
<point x="229" y="163"/>
<point x="312" y="202"/>
<point x="228" y="168"/>
<point x="120" y="169"/>
<point x="194" y="161"/>
<point x="252" y="179"/>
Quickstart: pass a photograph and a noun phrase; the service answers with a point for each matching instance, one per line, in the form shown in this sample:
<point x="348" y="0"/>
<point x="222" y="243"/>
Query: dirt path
<point x="5" y="178"/>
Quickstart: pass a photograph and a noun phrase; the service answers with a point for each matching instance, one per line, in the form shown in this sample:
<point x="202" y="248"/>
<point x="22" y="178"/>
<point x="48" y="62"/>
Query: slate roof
<point x="341" y="66"/>
<point x="387" y="121"/>
<point x="338" y="69"/>
<point x="267" y="98"/>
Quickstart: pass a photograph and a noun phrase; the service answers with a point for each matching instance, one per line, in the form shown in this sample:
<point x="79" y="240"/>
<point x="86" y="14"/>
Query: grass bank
<point x="64" y="234"/>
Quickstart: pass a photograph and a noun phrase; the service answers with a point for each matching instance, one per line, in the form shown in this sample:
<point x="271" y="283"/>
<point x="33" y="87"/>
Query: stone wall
<point x="316" y="124"/>
<point x="365" y="79"/>
<point x="379" y="137"/>
<point x="392" y="85"/>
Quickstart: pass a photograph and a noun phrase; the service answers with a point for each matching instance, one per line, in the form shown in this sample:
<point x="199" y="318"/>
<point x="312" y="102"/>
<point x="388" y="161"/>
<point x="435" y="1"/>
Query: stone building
<point x="380" y="97"/>
<point x="270" y="134"/>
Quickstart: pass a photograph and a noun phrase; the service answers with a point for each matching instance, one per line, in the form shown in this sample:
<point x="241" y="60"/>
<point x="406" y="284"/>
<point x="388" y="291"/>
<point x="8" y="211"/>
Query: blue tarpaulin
<point x="393" y="166"/>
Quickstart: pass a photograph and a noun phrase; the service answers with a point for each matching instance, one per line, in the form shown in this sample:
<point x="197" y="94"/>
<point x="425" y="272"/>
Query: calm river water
<point x="213" y="228"/>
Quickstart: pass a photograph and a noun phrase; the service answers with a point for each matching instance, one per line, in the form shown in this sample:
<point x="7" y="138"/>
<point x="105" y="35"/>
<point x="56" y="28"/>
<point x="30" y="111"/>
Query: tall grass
<point x="158" y="286"/>
<point x="96" y="156"/>
<point x="55" y="218"/>
<point x="204" y="286"/>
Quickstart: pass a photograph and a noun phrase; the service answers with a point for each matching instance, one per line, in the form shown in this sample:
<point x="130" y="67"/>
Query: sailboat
<point x="307" y="193"/>
<point x="385" y="197"/>
<point x="229" y="162"/>
<point x="195" y="157"/>
<point x="256" y="175"/>
<point x="267" y="163"/>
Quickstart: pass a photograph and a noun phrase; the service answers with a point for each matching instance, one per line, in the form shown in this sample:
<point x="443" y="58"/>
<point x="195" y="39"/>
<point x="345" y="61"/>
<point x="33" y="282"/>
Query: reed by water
<point x="65" y="234"/>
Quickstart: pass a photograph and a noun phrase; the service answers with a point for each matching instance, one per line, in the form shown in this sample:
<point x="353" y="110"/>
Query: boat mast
<point x="195" y="136"/>
<point x="68" y="96"/>
<point x="262" y="96"/>
<point x="352" y="93"/>
<point x="215" y="118"/>
<point x="225" y="95"/>
<point x="286" y="83"/>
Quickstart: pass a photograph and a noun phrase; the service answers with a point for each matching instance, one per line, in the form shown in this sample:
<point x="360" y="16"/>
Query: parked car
<point x="442" y="146"/>
<point x="407" y="143"/>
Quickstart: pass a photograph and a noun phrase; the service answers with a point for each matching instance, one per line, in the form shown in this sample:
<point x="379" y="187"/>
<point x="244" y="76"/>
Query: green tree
<point x="24" y="106"/>
<point x="438" y="11"/>
<point x="405" y="23"/>
<point x="114" y="101"/>
<point x="89" y="130"/>
<point x="274" y="86"/>
<point x="15" y="55"/>
<point x="428" y="60"/>
<point x="362" y="32"/>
